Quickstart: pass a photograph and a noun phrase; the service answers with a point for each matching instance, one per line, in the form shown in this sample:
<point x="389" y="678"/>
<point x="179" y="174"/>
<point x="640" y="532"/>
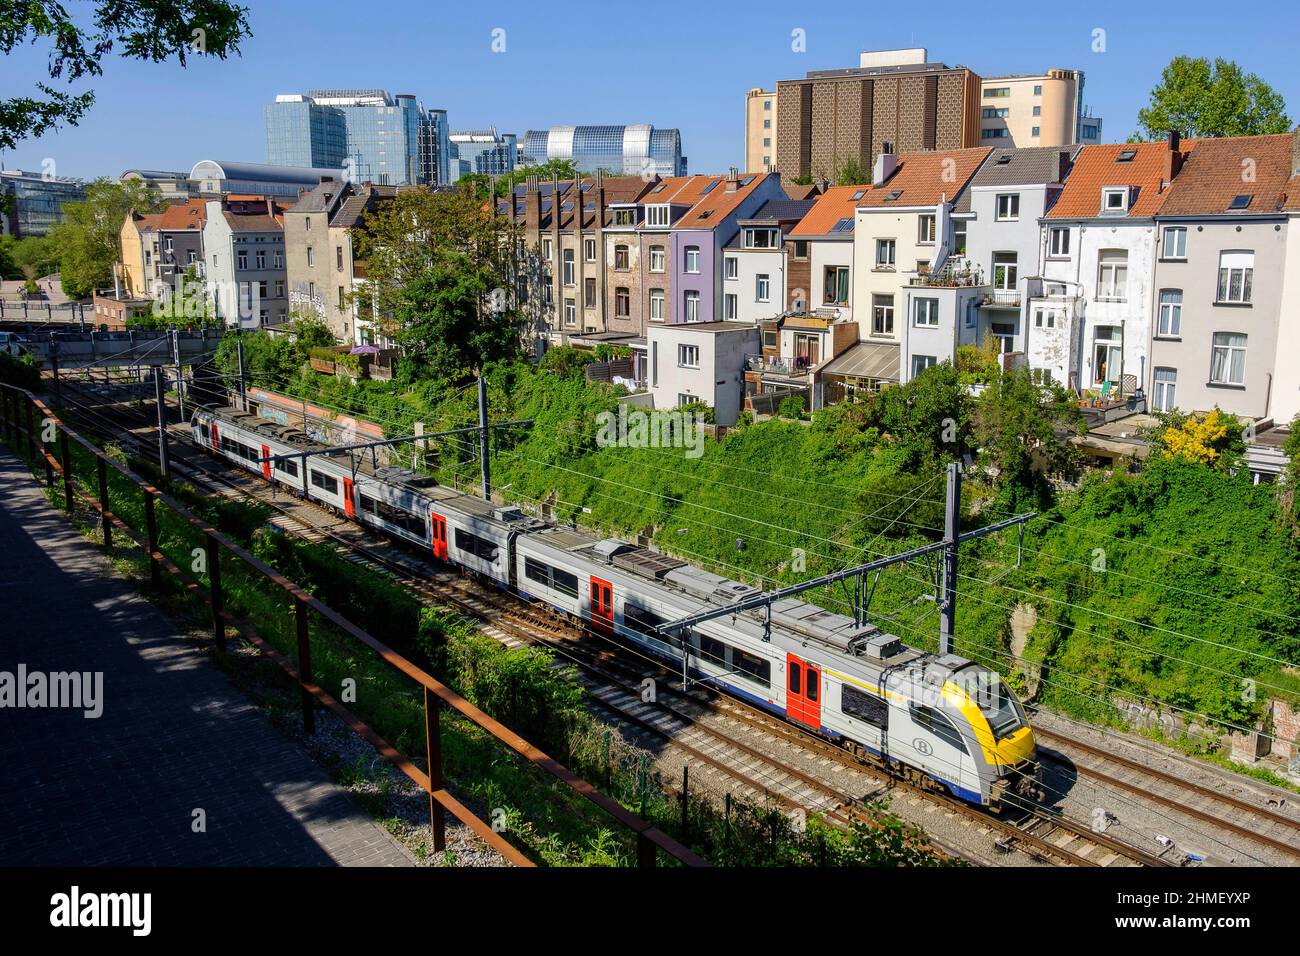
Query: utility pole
<point x="951" y="535"/>
<point x="180" y="373"/>
<point x="163" y="458"/>
<point x="483" y="438"/>
<point x="243" y="395"/>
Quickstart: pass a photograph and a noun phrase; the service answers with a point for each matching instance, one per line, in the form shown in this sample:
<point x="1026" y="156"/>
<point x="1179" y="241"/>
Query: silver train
<point x="943" y="722"/>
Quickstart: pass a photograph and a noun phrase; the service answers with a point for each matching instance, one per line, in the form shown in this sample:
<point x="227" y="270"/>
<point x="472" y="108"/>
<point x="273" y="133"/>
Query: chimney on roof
<point x="733" y="179"/>
<point x="886" y="163"/>
<point x="1174" y="160"/>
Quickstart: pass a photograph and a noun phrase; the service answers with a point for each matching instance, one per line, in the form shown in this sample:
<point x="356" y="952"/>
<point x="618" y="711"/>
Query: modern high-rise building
<point x="1036" y="110"/>
<point x="376" y="136"/>
<point x="760" y="130"/>
<point x="36" y="201"/>
<point x="482" y="151"/>
<point x="640" y="150"/>
<point x="831" y="117"/>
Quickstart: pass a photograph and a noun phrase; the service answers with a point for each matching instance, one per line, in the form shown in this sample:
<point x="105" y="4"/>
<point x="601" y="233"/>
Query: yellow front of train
<point x="1001" y="729"/>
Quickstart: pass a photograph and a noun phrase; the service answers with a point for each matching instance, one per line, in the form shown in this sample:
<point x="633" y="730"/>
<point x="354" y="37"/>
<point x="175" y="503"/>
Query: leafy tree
<point x="1213" y="439"/>
<point x="8" y="268"/>
<point x="564" y="168"/>
<point x="1200" y="98"/>
<point x="88" y="238"/>
<point x="1022" y="429"/>
<point x="150" y="30"/>
<point x="34" y="257"/>
<point x="852" y="173"/>
<point x="927" y="419"/>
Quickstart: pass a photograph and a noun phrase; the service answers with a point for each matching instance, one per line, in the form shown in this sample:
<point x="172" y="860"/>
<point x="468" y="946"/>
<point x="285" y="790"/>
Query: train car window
<point x="565" y="582"/>
<point x="813" y="680"/>
<point x="645" y="621"/>
<point x="394" y="516"/>
<point x="939" y="725"/>
<point x="324" y="482"/>
<point x="752" y="666"/>
<point x="534" y="570"/>
<point x="863" y="706"/>
<point x="287" y="466"/>
<point x="714" y="651"/>
<point x="794" y="678"/>
<point x="482" y="548"/>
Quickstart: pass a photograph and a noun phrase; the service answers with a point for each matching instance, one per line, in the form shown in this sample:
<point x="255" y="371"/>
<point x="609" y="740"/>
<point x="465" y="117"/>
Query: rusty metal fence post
<point x="151" y="523"/>
<point x="214" y="582"/>
<point x="66" y="461"/>
<point x="31" y="430"/>
<point x="433" y="753"/>
<point x="106" y="517"/>
<point x="300" y="612"/>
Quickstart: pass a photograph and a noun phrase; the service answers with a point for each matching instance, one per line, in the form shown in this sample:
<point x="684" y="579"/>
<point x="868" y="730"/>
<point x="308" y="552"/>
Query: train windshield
<point x="993" y="697"/>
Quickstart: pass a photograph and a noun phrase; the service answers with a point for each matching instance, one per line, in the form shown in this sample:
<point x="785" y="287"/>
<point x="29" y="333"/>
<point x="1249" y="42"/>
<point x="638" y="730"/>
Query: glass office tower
<point x="621" y="150"/>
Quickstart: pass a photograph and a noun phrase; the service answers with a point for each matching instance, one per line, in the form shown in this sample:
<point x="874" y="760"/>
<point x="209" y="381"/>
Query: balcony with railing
<point x="959" y="277"/>
<point x="1002" y="299"/>
<point x="795" y="367"/>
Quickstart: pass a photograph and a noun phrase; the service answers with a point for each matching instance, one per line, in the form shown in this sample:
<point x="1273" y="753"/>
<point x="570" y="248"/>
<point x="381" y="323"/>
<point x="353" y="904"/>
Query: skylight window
<point x="660" y="188"/>
<point x="859" y="194"/>
<point x="1004" y="159"/>
<point x="746" y="181"/>
<point x="1241" y="202"/>
<point x="894" y="195"/>
<point x="844" y="225"/>
<point x="1126" y="156"/>
<point x="709" y="188"/>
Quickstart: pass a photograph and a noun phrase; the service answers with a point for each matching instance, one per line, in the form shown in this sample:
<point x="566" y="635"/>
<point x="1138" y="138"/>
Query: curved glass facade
<point x="620" y="150"/>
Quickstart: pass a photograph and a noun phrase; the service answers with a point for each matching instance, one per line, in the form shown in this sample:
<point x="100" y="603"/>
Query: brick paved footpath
<point x="174" y="735"/>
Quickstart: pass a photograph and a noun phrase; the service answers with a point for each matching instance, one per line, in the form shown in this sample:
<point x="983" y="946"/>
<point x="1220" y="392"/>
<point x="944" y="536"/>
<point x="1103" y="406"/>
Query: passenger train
<point x="942" y="721"/>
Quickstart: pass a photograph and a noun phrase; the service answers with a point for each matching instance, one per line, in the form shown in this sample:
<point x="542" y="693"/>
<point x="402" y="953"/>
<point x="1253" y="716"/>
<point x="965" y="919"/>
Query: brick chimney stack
<point x="733" y="179"/>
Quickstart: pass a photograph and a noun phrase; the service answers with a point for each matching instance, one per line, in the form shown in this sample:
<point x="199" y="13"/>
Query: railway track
<point x="724" y="737"/>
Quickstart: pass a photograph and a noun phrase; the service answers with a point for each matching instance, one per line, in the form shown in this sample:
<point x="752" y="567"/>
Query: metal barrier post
<point x="433" y="752"/>
<point x="106" y="517"/>
<point x="214" y="580"/>
<point x="65" y="460"/>
<point x="645" y="851"/>
<point x="31" y="430"/>
<point x="300" y="612"/>
<point x="151" y="522"/>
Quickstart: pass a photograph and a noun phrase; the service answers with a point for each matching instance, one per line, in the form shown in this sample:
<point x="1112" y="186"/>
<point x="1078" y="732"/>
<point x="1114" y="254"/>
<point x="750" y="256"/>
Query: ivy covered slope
<point x="1168" y="587"/>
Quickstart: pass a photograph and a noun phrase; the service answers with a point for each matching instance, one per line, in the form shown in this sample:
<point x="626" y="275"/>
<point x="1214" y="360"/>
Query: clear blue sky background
<point x="671" y="64"/>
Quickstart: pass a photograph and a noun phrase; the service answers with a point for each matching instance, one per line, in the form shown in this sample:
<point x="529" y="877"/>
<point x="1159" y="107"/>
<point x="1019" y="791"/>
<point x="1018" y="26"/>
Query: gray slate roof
<point x="1027" y="165"/>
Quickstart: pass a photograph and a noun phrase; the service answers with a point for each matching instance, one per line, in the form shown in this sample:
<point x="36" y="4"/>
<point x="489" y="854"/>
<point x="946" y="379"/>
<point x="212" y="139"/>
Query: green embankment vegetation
<point x="1174" y="588"/>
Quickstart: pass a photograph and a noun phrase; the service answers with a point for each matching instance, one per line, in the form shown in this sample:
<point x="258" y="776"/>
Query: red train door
<point x="266" y="465"/>
<point x="216" y="440"/>
<point x="349" y="499"/>
<point x="602" y="605"/>
<point x="803" y="691"/>
<point x="438" y="535"/>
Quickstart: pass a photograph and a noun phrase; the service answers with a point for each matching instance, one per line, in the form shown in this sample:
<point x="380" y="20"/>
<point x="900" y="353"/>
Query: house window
<point x="277" y="259"/>
<point x="731" y="267"/>
<point x="1038" y="91"/>
<point x="622" y="302"/>
<point x="1175" y="243"/>
<point x="836" y="289"/>
<point x="925" y="313"/>
<point x="589" y="293"/>
<point x="311" y="257"/>
<point x="261" y="288"/>
<point x="338" y="258"/>
<point x="546" y="248"/>
<point x="656" y="305"/>
<point x="260" y="258"/>
<point x="1000" y="133"/>
<point x="243" y="258"/>
<point x="801" y="248"/>
<point x="1008" y="207"/>
<point x="996" y="112"/>
<point x="1038" y="111"/>
<point x="311" y="291"/>
<point x="884" y="253"/>
<point x="761" y="238"/>
<point x="568" y="267"/>
<point x="730" y="305"/>
<point x="1236" y="272"/>
<point x="342" y="297"/>
<point x="1165" y="388"/>
<point x="691" y="311"/>
<point x="1034" y="131"/>
<point x="1058" y="241"/>
<point x="1228" y="359"/>
<point x="1114" y="199"/>
<point x="762" y="289"/>
<point x="998" y="91"/>
<point x="308" y="223"/>
<point x="1044" y="319"/>
<point x="1107" y="357"/>
<point x="688" y="356"/>
<point x="921" y="362"/>
<point x="1112" y="275"/>
<point x="657" y="259"/>
<point x="1171" y="313"/>
<point x="625" y="217"/>
<point x="589" y="250"/>
<point x="570" y="312"/>
<point x="621" y="257"/>
<point x="279" y="288"/>
<point x="1005" y="270"/>
<point x="656" y="215"/>
<point x="692" y="259"/>
<point x="882" y="315"/>
<point x="685" y="398"/>
<point x="191" y="256"/>
<point x="959" y="237"/>
<point x="925" y="229"/>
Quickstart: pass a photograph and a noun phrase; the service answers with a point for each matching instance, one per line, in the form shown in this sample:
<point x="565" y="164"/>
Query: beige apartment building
<point x="1036" y="110"/>
<point x="760" y="130"/>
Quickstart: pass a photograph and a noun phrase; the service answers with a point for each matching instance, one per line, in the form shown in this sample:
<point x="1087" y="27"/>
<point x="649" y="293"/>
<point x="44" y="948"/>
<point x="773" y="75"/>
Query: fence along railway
<point x="1032" y="836"/>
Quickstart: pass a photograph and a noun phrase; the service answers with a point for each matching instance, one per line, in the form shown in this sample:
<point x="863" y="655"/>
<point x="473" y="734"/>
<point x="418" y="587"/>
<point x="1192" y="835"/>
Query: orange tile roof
<point x="924" y="178"/>
<point x="1214" y="174"/>
<point x="187" y="215"/>
<point x="1291" y="199"/>
<point x="680" y="190"/>
<point x="717" y="204"/>
<point x="1096" y="167"/>
<point x="835" y="204"/>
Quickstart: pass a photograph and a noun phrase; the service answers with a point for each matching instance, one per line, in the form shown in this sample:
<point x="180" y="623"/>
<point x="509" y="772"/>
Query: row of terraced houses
<point x="1156" y="274"/>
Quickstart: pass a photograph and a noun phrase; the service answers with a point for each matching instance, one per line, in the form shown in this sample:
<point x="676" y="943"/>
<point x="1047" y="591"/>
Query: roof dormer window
<point x="1114" y="199"/>
<point x="657" y="215"/>
<point x="762" y="238"/>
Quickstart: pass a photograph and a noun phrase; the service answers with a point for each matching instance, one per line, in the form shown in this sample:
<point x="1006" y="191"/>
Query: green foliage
<point x="791" y="407"/>
<point x="8" y="268"/>
<point x="851" y="172"/>
<point x="567" y="360"/>
<point x="149" y="30"/>
<point x="88" y="238"/>
<point x="34" y="257"/>
<point x="927" y="419"/>
<point x="1199" y="98"/>
<point x="23" y="371"/>
<point x="978" y="364"/>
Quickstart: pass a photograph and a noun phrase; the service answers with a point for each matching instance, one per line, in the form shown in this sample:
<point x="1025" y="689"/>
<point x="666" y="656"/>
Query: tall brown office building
<point x="831" y="116"/>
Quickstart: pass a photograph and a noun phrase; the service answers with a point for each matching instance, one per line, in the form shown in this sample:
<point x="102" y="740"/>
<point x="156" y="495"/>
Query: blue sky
<point x="670" y="64"/>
